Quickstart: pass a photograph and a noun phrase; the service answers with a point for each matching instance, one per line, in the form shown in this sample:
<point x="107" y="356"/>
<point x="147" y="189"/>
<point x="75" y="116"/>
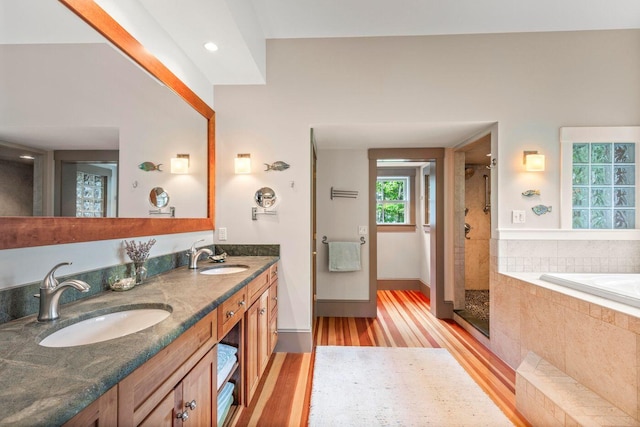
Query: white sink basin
<point x="105" y="327"/>
<point x="224" y="269"/>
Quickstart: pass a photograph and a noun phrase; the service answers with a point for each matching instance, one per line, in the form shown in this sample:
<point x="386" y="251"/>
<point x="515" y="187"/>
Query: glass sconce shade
<point x="243" y="163"/>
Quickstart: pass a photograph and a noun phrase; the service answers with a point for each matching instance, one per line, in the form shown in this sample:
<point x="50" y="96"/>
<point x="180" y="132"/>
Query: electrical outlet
<point x="517" y="217"/>
<point x="222" y="233"/>
<point x="362" y="230"/>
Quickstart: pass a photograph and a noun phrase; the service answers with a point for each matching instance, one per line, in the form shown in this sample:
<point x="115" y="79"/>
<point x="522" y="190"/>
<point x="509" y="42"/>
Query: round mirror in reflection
<point x="265" y="197"/>
<point x="158" y="197"/>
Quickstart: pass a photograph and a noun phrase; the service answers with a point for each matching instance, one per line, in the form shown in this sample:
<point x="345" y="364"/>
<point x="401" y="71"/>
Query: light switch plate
<point x="222" y="233"/>
<point x="517" y="217"/>
<point x="362" y="230"/>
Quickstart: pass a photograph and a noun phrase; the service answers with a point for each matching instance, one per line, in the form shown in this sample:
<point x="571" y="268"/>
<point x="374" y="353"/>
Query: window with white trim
<point x="599" y="171"/>
<point x="392" y="200"/>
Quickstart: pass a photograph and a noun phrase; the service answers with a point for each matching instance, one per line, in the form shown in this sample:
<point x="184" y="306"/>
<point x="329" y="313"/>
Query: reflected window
<point x="90" y="195"/>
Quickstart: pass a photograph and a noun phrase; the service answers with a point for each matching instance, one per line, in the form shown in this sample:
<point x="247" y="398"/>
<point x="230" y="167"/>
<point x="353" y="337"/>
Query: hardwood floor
<point x="404" y="320"/>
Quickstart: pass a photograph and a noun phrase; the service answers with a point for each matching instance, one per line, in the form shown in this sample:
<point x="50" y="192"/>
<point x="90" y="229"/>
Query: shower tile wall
<point x="565" y="256"/>
<point x="476" y="247"/>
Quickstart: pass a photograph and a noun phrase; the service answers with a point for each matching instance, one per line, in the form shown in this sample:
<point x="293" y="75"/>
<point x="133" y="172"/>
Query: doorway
<point x="439" y="307"/>
<point x="473" y="173"/>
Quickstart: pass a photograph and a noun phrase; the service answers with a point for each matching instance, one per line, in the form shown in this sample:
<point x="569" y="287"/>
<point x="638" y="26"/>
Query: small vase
<point x="140" y="272"/>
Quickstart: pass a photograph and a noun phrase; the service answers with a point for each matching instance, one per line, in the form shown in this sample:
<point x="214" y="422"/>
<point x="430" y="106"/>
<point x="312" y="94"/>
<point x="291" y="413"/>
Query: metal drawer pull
<point x="241" y="303"/>
<point x="191" y="405"/>
<point x="275" y="298"/>
<point x="230" y="313"/>
<point x="184" y="416"/>
<point x="263" y="310"/>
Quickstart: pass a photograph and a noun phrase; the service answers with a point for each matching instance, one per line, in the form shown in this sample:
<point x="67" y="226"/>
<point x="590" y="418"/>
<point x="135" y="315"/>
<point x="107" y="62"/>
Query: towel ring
<point x="362" y="240"/>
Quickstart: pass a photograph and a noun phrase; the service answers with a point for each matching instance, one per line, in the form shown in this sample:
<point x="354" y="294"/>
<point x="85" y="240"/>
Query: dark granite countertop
<point x="41" y="386"/>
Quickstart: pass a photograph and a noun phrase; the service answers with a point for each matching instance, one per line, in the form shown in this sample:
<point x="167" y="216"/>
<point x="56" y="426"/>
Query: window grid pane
<point x="603" y="185"/>
<point x="89" y="195"/>
<point x="392" y="198"/>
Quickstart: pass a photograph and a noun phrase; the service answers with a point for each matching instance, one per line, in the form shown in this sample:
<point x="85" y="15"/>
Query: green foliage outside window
<point x="391" y="197"/>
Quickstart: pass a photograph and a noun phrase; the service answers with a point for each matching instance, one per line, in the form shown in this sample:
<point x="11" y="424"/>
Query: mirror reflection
<point x="65" y="89"/>
<point x="158" y="197"/>
<point x="265" y="197"/>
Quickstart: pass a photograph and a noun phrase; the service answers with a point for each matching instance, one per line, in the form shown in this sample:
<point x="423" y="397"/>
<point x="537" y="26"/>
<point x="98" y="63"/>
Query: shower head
<point x="468" y="172"/>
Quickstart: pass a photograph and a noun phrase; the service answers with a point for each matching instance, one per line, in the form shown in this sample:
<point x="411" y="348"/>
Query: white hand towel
<point x="344" y="256"/>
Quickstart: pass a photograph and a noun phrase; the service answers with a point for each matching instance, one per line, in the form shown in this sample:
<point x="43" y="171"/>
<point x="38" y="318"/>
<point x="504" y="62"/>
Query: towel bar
<point x="362" y="240"/>
<point x="347" y="194"/>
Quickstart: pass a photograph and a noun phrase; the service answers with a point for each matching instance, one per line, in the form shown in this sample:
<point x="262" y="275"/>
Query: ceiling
<point x="358" y="18"/>
<point x="241" y="28"/>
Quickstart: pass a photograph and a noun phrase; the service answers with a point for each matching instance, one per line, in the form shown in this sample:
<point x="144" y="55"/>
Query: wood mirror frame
<point x="20" y="232"/>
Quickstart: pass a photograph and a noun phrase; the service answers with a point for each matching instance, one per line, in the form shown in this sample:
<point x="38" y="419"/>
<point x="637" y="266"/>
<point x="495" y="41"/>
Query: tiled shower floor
<point x="476" y="310"/>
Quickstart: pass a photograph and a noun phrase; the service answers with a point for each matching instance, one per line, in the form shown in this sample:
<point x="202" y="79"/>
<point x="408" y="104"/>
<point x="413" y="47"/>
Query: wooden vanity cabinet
<point x="192" y="400"/>
<point x="183" y="371"/>
<point x="231" y="311"/>
<point x="260" y="324"/>
<point x="160" y="392"/>
<point x="256" y="344"/>
<point x="273" y="312"/>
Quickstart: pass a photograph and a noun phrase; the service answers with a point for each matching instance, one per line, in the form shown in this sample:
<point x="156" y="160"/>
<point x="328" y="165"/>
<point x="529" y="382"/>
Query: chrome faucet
<point x="51" y="290"/>
<point x="195" y="254"/>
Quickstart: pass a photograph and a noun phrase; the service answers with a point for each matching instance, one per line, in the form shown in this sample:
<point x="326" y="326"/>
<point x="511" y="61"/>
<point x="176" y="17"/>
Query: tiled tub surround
<point x="566" y="256"/>
<point x="592" y="340"/>
<point x="42" y="386"/>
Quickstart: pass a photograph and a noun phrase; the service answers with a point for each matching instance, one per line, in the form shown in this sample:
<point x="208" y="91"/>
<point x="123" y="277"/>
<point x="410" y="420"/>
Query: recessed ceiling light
<point x="211" y="46"/>
<point x="27" y="157"/>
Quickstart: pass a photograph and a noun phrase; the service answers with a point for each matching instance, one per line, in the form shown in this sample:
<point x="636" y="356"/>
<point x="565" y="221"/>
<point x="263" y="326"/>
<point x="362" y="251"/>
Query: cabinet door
<point x="251" y="351"/>
<point x="162" y="415"/>
<point x="273" y="333"/>
<point x="263" y="333"/>
<point x="199" y="392"/>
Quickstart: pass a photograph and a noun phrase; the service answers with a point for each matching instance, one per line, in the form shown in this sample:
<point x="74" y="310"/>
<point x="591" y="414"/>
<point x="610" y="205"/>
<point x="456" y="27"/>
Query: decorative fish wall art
<point x="276" y="166"/>
<point x="149" y="166"/>
<point x="541" y="209"/>
<point x="531" y="193"/>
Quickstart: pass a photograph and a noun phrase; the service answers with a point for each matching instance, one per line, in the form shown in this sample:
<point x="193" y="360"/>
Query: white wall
<point x="338" y="219"/>
<point x="400" y="256"/>
<point x="531" y="84"/>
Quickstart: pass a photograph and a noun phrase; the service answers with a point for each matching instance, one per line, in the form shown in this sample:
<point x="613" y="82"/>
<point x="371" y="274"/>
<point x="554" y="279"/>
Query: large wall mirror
<point x="110" y="120"/>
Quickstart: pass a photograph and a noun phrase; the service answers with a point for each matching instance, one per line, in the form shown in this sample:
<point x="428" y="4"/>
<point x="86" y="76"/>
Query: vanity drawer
<point x="274" y="272"/>
<point x="231" y="311"/>
<point x="257" y="286"/>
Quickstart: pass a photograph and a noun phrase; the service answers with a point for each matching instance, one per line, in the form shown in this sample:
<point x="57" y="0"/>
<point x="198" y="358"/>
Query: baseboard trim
<point x="346" y="308"/>
<point x="294" y="342"/>
<point x="425" y="289"/>
<point x="399" y="284"/>
<point x="404" y="285"/>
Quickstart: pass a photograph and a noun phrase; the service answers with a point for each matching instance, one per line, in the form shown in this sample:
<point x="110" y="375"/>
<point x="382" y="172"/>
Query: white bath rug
<point x="381" y="386"/>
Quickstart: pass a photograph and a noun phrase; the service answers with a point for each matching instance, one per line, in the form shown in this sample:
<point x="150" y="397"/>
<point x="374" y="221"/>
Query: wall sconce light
<point x="180" y="164"/>
<point x="243" y="163"/>
<point x="533" y="162"/>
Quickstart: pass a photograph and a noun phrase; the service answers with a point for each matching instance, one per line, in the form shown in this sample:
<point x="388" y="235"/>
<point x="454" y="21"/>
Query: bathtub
<point x="623" y="288"/>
